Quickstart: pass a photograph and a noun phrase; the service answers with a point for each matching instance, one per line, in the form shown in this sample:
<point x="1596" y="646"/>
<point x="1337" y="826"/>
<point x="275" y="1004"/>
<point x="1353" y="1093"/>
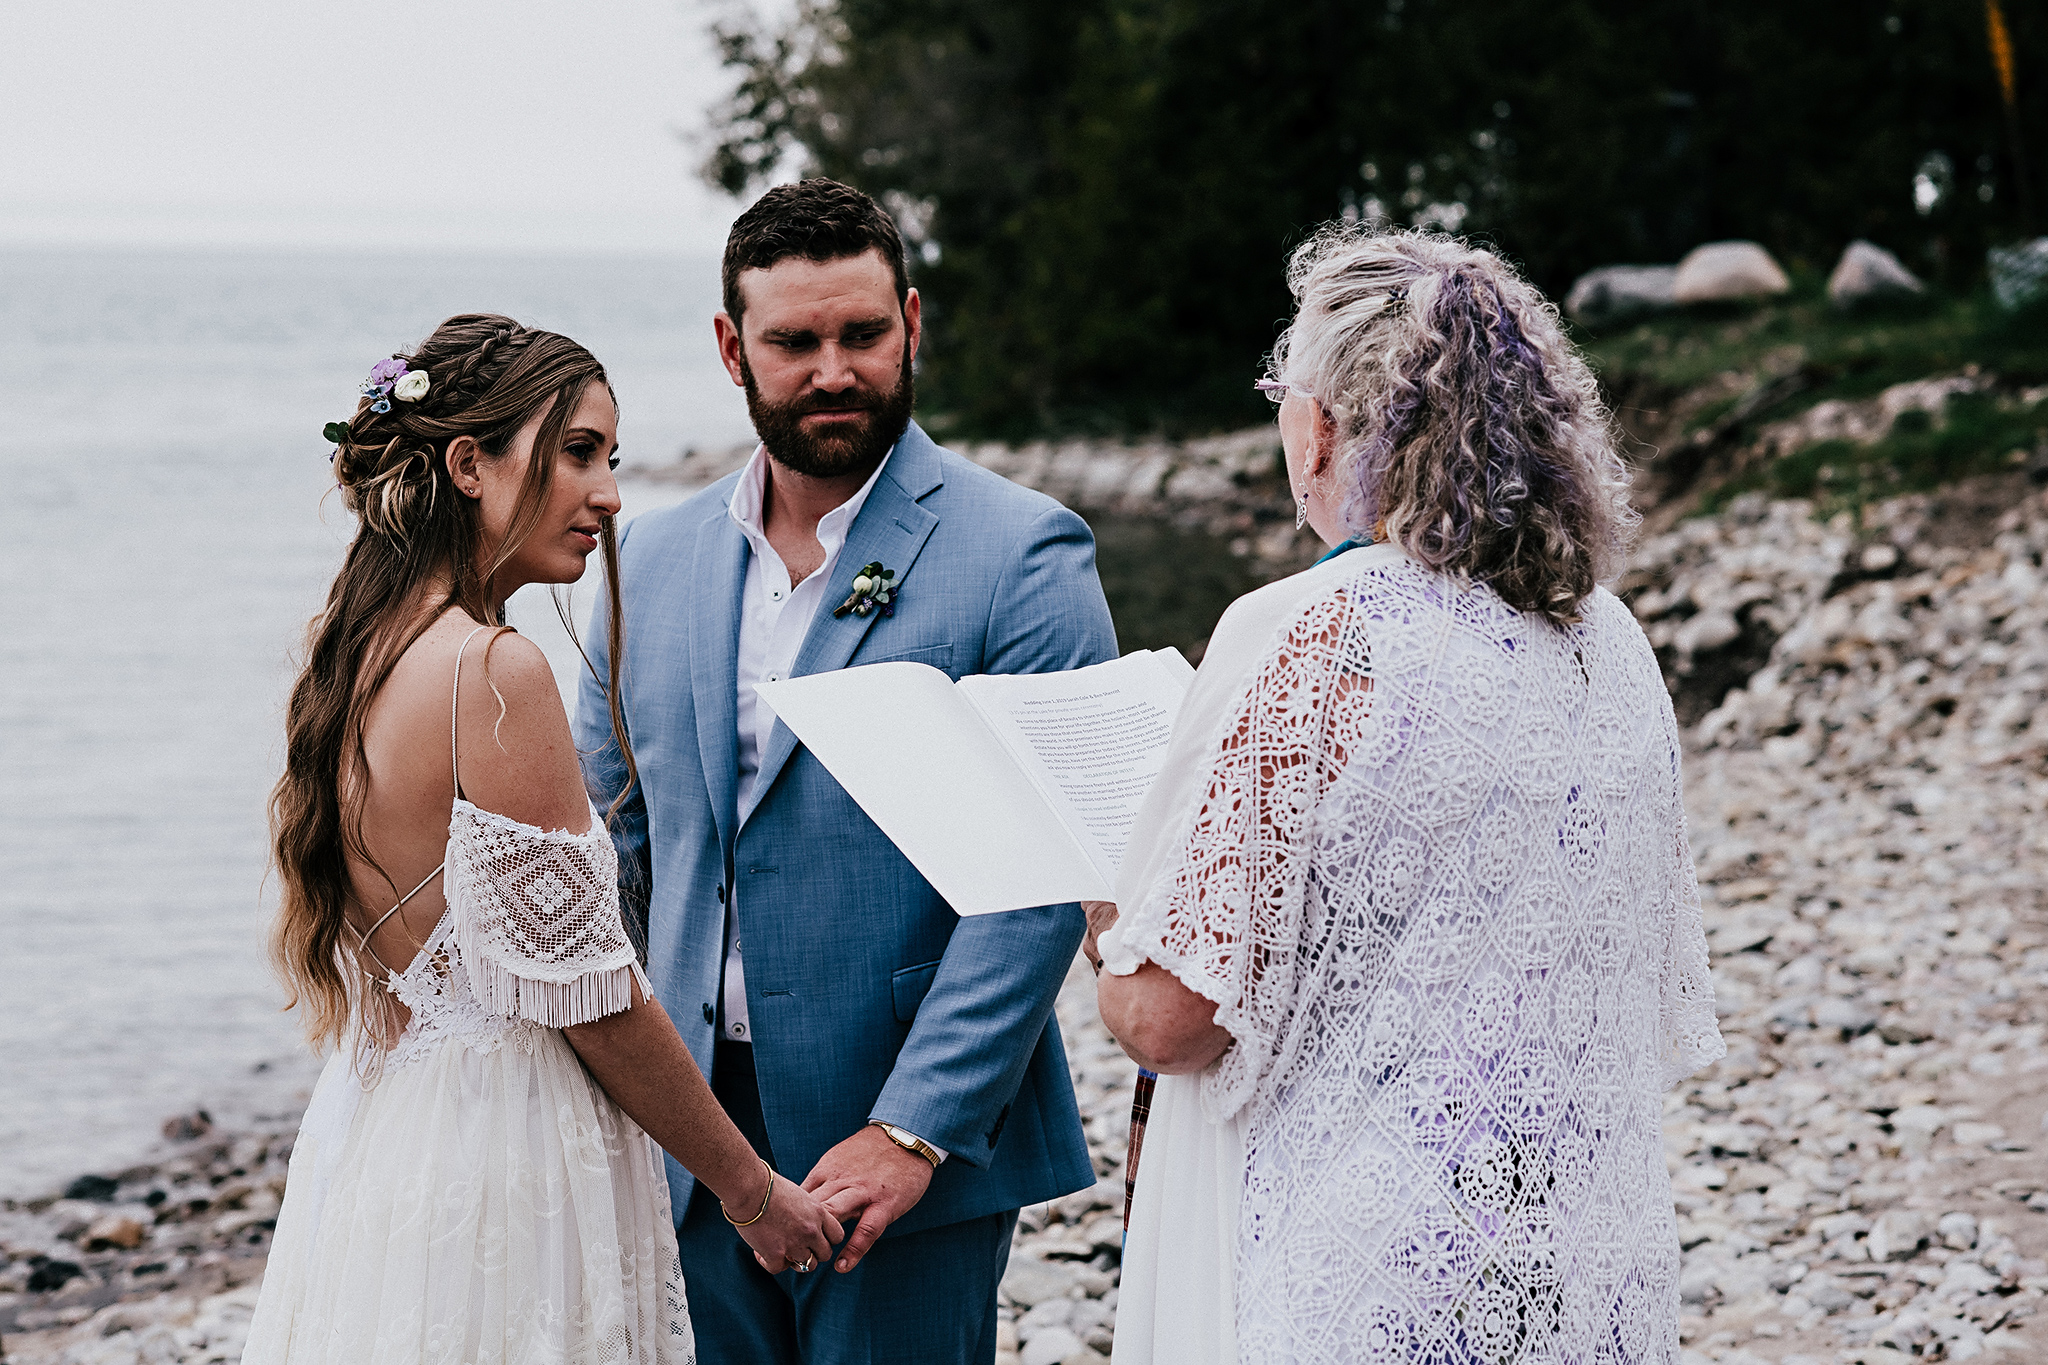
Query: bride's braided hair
<point x="389" y="467"/>
<point x="419" y="549"/>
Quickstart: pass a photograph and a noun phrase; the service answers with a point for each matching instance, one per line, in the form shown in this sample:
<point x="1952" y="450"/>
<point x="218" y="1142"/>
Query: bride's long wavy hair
<point x="1470" y="431"/>
<point x="418" y="550"/>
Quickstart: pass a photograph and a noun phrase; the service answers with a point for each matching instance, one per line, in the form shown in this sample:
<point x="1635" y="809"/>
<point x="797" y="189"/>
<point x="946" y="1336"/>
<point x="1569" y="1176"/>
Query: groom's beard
<point x="854" y="445"/>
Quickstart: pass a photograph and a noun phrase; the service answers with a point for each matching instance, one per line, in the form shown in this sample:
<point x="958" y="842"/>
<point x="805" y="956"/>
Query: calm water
<point x="162" y="542"/>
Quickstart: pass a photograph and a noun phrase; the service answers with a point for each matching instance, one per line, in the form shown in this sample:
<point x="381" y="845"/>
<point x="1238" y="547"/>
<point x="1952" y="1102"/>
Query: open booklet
<point x="1004" y="790"/>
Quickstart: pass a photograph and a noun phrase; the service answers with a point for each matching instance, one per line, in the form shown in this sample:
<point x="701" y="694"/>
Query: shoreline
<point x="1860" y="1179"/>
<point x="165" y="1251"/>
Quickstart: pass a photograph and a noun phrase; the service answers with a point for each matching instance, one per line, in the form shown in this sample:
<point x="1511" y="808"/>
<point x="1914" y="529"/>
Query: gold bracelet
<point x="765" y="1197"/>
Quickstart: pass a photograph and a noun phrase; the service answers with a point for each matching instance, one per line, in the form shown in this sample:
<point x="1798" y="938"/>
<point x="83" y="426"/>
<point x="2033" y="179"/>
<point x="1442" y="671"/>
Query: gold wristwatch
<point x="908" y="1141"/>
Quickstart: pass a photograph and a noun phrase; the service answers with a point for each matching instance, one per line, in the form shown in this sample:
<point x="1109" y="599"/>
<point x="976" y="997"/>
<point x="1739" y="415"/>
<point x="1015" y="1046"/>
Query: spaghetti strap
<point x="363" y="939"/>
<point x="454" y="697"/>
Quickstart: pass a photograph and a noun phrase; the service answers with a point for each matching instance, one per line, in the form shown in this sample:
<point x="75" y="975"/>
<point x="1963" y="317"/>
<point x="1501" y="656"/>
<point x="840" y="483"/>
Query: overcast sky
<point x="507" y="125"/>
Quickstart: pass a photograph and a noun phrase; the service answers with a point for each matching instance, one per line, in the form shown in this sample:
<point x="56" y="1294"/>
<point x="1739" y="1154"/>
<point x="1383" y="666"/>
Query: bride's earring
<point x="1300" y="511"/>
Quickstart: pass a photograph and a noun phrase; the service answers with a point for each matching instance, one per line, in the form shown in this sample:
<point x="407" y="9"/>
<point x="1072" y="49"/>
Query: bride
<point x="474" y="1180"/>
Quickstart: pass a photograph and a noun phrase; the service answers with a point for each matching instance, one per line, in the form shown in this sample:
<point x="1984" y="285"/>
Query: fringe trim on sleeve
<point x="556" y="1005"/>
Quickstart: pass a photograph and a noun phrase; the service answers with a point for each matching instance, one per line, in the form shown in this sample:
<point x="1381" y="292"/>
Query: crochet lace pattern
<point x="1439" y="888"/>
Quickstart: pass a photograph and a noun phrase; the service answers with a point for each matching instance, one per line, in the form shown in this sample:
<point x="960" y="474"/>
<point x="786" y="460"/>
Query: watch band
<point x="908" y="1141"/>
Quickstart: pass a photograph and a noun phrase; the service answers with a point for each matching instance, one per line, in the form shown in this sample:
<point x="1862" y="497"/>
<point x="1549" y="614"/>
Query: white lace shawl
<point x="1434" y="874"/>
<point x="536" y="915"/>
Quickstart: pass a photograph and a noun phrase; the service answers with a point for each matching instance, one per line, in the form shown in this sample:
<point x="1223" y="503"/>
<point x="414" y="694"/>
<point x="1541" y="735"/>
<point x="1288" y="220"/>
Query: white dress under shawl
<point x="476" y="1199"/>
<point x="1427" y="854"/>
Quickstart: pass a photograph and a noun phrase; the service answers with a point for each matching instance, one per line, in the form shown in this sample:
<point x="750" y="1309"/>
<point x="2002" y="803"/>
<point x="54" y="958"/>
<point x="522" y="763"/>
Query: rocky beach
<point x="1860" y="1180"/>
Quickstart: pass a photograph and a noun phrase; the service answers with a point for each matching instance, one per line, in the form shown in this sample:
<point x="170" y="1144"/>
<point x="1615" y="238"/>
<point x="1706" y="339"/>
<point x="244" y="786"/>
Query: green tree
<point x="1101" y="193"/>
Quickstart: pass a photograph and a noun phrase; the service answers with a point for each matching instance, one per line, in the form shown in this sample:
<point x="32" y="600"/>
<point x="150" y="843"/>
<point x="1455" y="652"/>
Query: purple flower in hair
<point x="386" y="371"/>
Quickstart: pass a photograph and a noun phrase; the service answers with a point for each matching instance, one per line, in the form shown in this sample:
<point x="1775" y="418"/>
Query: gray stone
<point x="1051" y="1346"/>
<point x="2019" y="274"/>
<point x="1848" y="1015"/>
<point x="1618" y="293"/>
<point x="1045" y="1316"/>
<point x="1867" y="271"/>
<point x="1722" y="272"/>
<point x="1899" y="1234"/>
<point x="1957" y="1230"/>
<point x="1030" y="1281"/>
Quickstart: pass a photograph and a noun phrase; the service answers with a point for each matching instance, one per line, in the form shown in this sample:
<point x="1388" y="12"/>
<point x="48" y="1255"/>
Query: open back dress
<point x="469" y="1194"/>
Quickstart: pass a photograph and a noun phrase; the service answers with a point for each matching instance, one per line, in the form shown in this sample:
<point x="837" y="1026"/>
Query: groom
<point x="898" y="1060"/>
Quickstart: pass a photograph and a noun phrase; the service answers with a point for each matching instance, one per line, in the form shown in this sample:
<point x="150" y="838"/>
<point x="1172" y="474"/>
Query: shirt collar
<point x="751" y="493"/>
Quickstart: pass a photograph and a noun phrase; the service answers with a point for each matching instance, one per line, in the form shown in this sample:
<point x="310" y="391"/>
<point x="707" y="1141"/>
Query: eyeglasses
<point x="1278" y="391"/>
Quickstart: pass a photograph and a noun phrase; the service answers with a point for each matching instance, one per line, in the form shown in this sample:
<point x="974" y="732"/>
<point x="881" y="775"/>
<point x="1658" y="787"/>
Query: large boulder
<point x="2019" y="274"/>
<point x="1722" y="272"/>
<point x="1867" y="271"/>
<point x="1616" y="293"/>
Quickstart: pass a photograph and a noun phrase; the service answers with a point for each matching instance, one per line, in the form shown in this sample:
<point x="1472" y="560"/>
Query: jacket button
<point x="721" y="893"/>
<point x="708" y="1015"/>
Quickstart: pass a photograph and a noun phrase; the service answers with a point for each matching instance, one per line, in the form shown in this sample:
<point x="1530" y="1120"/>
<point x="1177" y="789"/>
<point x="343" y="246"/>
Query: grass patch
<point x="1848" y="355"/>
<point x="1979" y="434"/>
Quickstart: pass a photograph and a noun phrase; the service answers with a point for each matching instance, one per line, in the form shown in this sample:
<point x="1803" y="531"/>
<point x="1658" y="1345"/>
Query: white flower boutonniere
<point x="874" y="589"/>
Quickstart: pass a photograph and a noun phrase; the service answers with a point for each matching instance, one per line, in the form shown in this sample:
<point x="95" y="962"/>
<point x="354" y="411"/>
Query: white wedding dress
<point x="1427" y="855"/>
<point x="472" y="1197"/>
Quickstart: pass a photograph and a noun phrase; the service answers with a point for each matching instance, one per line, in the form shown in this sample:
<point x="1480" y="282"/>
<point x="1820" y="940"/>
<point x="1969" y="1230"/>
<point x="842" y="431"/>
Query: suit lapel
<point x="718" y="578"/>
<point x="892" y="528"/>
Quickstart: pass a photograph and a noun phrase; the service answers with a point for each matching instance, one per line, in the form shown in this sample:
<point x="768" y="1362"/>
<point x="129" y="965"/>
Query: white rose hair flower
<point x="411" y="386"/>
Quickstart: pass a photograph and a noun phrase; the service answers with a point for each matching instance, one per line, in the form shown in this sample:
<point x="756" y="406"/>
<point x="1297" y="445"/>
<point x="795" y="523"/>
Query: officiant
<point x="1407" y="922"/>
<point x="902" y="1062"/>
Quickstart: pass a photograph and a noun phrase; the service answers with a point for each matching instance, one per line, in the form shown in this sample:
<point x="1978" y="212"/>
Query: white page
<point x="1092" y="739"/>
<point x="927" y="769"/>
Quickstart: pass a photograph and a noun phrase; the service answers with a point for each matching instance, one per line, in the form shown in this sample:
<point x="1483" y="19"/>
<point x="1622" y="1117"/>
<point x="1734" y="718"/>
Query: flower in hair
<point x="386" y="378"/>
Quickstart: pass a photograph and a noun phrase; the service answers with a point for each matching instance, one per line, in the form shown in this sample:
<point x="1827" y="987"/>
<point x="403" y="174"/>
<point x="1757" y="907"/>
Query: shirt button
<point x="739" y="1030"/>
<point x="774" y="677"/>
<point x="775" y="594"/>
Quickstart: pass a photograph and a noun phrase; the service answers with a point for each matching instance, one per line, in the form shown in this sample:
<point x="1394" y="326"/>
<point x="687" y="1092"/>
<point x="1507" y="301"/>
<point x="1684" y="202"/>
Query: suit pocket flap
<point x="909" y="987"/>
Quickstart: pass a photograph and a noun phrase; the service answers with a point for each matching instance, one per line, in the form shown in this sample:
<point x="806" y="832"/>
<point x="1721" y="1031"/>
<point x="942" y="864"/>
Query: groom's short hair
<point x="817" y="219"/>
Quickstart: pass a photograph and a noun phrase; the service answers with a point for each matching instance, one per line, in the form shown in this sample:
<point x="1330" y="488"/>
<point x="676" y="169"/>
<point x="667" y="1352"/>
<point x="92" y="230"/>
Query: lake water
<point x="163" y="540"/>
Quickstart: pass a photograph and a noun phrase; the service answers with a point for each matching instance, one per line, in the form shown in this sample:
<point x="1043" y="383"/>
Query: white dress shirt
<point x="774" y="618"/>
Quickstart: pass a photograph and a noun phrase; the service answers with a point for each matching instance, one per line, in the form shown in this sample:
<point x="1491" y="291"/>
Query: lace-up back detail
<point x="532" y="936"/>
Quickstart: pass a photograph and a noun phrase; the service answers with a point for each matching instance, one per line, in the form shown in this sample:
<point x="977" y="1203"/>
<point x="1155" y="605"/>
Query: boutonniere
<point x="873" y="587"/>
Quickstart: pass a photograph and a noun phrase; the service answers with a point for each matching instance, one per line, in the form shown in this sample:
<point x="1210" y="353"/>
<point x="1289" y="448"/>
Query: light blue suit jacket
<point x="868" y="997"/>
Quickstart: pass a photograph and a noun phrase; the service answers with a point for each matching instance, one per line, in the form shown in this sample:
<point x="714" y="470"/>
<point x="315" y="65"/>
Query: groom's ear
<point x="913" y="320"/>
<point x="729" y="344"/>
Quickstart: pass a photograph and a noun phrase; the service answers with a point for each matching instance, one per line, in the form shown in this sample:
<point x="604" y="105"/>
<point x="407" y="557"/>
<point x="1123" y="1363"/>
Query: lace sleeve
<point x="1226" y="916"/>
<point x="537" y="915"/>
<point x="1688" y="1032"/>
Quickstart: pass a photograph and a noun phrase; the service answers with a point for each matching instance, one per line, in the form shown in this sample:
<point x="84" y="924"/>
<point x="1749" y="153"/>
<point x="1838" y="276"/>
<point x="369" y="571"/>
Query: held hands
<point x="868" y="1176"/>
<point x="787" y="1228"/>
<point x="1101" y="915"/>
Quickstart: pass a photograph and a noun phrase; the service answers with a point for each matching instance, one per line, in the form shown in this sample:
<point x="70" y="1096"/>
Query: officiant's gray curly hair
<point x="1469" y="429"/>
